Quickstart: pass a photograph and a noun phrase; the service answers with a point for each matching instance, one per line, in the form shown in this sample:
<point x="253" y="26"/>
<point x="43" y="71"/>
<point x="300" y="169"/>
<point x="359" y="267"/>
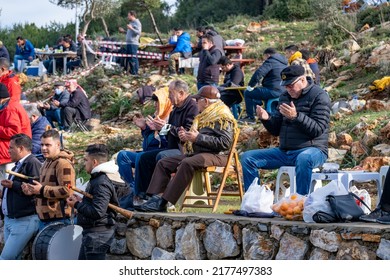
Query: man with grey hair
<point x="210" y="135"/>
<point x="3" y="51"/>
<point x="39" y="124"/>
<point x="181" y="117"/>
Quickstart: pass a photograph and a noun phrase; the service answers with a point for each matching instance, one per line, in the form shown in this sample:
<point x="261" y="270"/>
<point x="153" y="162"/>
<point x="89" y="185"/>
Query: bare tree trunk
<point x="344" y="29"/>
<point x="154" y="24"/>
<point x="105" y="27"/>
<point x="84" y="49"/>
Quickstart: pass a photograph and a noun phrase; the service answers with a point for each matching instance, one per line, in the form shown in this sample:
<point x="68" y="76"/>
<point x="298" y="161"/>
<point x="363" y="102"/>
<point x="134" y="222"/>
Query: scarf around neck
<point x="215" y="113"/>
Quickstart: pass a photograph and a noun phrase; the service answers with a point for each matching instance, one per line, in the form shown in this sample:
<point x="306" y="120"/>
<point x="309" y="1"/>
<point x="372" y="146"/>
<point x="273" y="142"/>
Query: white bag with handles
<point x="363" y="195"/>
<point x="257" y="198"/>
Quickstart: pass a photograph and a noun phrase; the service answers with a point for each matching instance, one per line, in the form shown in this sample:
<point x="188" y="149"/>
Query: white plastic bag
<point x="316" y="201"/>
<point x="257" y="198"/>
<point x="363" y="195"/>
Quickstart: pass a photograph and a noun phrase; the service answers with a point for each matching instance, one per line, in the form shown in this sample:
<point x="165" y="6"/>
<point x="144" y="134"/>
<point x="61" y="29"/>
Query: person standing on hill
<point x="133" y="34"/>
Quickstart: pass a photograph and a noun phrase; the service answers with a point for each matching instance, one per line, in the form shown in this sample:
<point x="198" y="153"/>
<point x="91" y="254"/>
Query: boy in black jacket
<point x="94" y="215"/>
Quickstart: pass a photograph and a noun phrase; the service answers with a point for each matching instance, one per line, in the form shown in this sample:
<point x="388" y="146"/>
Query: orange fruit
<point x="297" y="210"/>
<point x="289" y="217"/>
<point x="284" y="206"/>
<point x="292" y="204"/>
<point x="294" y="196"/>
<point x="290" y="211"/>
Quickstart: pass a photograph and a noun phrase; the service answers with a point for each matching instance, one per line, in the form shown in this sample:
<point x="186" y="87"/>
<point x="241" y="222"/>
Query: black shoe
<point x="374" y="215"/>
<point x="384" y="219"/>
<point x="155" y="204"/>
<point x="139" y="208"/>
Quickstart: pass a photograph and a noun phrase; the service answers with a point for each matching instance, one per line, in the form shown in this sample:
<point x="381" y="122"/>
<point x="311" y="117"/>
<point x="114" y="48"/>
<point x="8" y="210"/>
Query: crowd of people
<point x="186" y="133"/>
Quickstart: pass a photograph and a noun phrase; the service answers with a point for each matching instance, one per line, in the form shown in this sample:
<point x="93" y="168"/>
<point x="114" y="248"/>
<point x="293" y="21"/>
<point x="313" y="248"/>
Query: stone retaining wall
<point x="210" y="236"/>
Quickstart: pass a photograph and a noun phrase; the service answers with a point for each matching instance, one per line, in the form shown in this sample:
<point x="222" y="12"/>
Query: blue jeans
<point x="132" y="61"/>
<point x="127" y="160"/>
<point x="199" y="85"/>
<point x="304" y="160"/>
<point x="16" y="61"/>
<point x="95" y="244"/>
<point x="255" y="97"/>
<point x="65" y="221"/>
<point x="17" y="233"/>
<point x="54" y="115"/>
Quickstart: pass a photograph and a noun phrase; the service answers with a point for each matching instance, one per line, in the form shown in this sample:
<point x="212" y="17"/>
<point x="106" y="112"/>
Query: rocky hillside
<point x="351" y="73"/>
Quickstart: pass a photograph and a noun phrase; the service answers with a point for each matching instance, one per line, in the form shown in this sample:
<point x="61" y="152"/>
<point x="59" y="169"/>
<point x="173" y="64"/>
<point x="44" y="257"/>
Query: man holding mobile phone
<point x="301" y="121"/>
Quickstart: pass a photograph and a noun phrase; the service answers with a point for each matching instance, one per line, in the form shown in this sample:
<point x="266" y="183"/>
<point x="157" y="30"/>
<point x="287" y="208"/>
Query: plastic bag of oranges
<point x="290" y="207"/>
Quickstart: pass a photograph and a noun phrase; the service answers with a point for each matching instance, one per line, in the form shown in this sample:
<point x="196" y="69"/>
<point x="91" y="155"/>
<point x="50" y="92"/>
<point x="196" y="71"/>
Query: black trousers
<point x="230" y="97"/>
<point x="68" y="115"/>
<point x="385" y="198"/>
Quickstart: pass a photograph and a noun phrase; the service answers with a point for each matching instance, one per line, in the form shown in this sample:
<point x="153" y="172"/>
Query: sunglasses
<point x="292" y="84"/>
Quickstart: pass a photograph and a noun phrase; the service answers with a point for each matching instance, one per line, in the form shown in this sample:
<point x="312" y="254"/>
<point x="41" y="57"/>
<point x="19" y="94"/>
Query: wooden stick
<point x="128" y="214"/>
<point x="20" y="175"/>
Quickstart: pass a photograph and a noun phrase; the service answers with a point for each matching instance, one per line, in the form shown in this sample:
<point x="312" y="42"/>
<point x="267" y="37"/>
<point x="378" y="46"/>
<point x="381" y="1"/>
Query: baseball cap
<point x="209" y="92"/>
<point x="291" y="74"/>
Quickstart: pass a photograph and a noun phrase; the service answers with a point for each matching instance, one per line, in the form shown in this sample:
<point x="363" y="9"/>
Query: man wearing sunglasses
<point x="301" y="121"/>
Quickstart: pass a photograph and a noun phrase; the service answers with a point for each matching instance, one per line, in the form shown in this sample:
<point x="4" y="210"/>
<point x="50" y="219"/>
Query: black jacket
<point x="233" y="78"/>
<point x="19" y="204"/>
<point x="208" y="72"/>
<point x="269" y="71"/>
<point x="181" y="116"/>
<point x="311" y="126"/>
<point x="95" y="212"/>
<point x="80" y="101"/>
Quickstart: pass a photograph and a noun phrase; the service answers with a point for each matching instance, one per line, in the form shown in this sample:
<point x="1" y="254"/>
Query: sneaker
<point x="247" y="120"/>
<point x="384" y="219"/>
<point x="138" y="201"/>
<point x="373" y="216"/>
<point x="171" y="207"/>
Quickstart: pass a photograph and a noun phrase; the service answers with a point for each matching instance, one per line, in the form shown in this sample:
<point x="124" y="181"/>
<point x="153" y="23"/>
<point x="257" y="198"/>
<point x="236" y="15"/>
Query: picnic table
<point x="168" y="48"/>
<point x="64" y="55"/>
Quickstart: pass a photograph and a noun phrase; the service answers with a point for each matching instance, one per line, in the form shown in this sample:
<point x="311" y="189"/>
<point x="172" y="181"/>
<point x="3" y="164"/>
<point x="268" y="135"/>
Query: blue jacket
<point x="37" y="129"/>
<point x="63" y="98"/>
<point x="150" y="142"/>
<point x="269" y="71"/>
<point x="183" y="44"/>
<point x="27" y="51"/>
